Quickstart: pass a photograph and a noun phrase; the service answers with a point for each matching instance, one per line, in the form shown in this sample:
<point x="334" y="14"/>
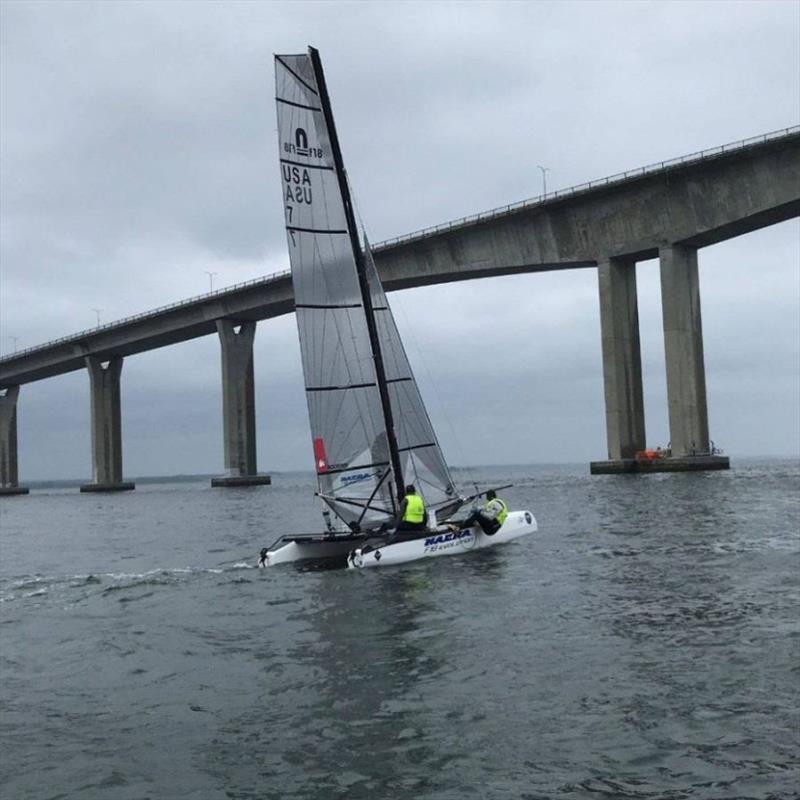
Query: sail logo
<point x="301" y="142"/>
<point x="444" y="541"/>
<point x="357" y="478"/>
<point x="297" y="182"/>
<point x="299" y="147"/>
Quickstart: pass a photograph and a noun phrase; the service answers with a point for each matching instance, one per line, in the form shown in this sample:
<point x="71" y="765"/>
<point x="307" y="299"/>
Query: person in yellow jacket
<point x="491" y="515"/>
<point x="412" y="516"/>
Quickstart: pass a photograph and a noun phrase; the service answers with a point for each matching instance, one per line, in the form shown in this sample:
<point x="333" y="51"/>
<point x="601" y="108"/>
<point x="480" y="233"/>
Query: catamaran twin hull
<point x="361" y="552"/>
<point x="372" y="438"/>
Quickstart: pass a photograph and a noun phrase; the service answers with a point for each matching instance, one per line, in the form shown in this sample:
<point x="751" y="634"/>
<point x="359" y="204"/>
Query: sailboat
<point x="371" y="434"/>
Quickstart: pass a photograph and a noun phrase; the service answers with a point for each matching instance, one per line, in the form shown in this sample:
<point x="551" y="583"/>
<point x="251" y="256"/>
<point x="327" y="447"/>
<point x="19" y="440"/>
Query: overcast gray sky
<point x="139" y="150"/>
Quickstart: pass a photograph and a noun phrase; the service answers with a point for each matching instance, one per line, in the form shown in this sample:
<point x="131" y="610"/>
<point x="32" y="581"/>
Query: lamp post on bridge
<point x="210" y="279"/>
<point x="544" y="170"/>
<point x="14" y="339"/>
<point x="97" y="311"/>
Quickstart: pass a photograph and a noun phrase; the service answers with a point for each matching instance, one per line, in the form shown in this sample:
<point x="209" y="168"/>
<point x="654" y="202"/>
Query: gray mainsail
<point x="367" y="418"/>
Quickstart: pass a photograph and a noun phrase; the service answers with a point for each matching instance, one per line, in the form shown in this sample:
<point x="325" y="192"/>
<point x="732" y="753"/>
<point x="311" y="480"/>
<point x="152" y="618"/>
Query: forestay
<point x="351" y="447"/>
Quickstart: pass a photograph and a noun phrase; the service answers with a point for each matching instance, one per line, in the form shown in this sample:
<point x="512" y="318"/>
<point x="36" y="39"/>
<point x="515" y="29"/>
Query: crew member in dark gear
<point x="491" y="515"/>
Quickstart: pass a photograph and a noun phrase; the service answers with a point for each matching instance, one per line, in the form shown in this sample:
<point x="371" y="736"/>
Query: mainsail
<point x="368" y="424"/>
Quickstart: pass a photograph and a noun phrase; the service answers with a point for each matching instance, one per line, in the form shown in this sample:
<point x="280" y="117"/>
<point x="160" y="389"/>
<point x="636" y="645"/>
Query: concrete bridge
<point x="667" y="210"/>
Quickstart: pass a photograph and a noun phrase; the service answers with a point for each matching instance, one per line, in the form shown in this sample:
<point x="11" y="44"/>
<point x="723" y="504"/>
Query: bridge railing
<point x="701" y="155"/>
<point x="73" y="337"/>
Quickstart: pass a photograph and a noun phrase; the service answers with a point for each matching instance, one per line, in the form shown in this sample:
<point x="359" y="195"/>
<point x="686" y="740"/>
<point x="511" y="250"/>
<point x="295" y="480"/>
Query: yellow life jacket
<point x="415" y="509"/>
<point x="501" y="515"/>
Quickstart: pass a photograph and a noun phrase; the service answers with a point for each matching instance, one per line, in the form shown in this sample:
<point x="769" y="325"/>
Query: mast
<point x="366" y="297"/>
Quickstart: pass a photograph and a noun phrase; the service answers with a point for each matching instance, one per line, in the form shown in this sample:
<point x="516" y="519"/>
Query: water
<point x="643" y="645"/>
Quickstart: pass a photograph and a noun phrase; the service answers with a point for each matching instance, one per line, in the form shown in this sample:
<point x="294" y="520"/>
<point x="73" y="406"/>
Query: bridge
<point x="667" y="210"/>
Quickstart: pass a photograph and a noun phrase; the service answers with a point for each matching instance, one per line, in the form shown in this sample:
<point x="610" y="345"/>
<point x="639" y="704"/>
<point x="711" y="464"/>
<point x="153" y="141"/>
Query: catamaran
<point x="370" y="431"/>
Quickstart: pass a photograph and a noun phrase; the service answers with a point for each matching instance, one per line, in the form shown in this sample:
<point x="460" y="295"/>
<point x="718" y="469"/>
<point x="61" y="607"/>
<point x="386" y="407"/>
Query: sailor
<point x="491" y="516"/>
<point x="412" y="515"/>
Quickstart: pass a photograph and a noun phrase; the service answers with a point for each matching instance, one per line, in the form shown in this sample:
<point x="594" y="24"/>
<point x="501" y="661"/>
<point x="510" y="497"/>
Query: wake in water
<point x="22" y="587"/>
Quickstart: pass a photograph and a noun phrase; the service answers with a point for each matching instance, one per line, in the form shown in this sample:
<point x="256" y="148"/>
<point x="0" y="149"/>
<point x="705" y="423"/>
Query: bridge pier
<point x="9" y="476"/>
<point x="683" y="348"/>
<point x="238" y="405"/>
<point x="686" y="377"/>
<point x="106" y="423"/>
<point x="686" y="370"/>
<point x="622" y="360"/>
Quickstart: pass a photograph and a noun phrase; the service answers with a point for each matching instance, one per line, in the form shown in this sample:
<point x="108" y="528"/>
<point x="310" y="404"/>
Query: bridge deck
<point x="546" y="232"/>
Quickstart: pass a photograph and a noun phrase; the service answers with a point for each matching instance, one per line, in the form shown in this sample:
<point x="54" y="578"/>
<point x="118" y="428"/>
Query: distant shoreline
<point x="63" y="483"/>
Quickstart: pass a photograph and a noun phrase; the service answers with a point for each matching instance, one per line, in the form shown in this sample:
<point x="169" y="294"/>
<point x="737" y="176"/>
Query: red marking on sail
<point x="319" y="455"/>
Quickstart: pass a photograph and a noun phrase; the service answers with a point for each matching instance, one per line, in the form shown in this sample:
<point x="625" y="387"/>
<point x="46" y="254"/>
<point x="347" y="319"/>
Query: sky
<point x="138" y="153"/>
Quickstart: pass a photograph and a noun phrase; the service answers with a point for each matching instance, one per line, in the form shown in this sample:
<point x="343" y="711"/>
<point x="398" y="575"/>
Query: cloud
<point x="137" y="152"/>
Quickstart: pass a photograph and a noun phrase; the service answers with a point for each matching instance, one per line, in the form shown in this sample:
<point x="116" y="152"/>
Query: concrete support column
<point x="622" y="362"/>
<point x="683" y="345"/>
<point x="9" y="476"/>
<point x="238" y="405"/>
<point x="106" y="425"/>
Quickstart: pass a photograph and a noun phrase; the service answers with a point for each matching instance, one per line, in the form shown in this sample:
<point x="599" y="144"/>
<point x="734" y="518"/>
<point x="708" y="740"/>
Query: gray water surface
<point x="644" y="644"/>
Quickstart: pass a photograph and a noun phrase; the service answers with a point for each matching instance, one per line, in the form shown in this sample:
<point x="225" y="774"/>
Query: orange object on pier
<point x="648" y="455"/>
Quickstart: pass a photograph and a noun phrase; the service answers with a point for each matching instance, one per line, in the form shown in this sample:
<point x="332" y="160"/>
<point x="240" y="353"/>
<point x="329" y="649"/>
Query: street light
<point x="544" y="170"/>
<point x="210" y="279"/>
<point x="97" y="311"/>
<point x="14" y="339"/>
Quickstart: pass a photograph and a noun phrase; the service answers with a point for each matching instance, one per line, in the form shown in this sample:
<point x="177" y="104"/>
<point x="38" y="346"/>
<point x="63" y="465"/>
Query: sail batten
<point x="339" y="388"/>
<point x="368" y="424"/>
<point x="297" y="105"/>
<point x="354" y="467"/>
<point x="317" y="230"/>
<point x="301" y="164"/>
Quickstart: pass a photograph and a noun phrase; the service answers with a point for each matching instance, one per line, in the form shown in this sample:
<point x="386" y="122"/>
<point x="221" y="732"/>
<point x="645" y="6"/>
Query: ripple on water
<point x="644" y="645"/>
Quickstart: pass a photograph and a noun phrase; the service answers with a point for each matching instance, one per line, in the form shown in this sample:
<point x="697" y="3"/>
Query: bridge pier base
<point x="622" y="371"/>
<point x="238" y="406"/>
<point x="622" y="361"/>
<point x="632" y="465"/>
<point x="104" y="378"/>
<point x="9" y="474"/>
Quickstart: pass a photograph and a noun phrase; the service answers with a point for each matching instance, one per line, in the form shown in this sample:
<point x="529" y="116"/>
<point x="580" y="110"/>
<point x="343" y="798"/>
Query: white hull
<point x="442" y="543"/>
<point x="310" y="550"/>
<point x="377" y="552"/>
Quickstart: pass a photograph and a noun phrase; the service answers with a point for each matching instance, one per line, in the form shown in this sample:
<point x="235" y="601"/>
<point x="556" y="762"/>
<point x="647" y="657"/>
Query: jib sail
<point x="421" y="456"/>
